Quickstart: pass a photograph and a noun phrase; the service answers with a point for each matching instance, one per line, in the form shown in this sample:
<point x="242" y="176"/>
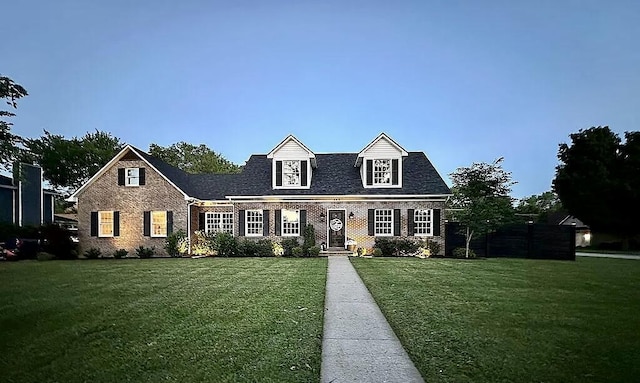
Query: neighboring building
<point x="583" y="232"/>
<point x="382" y="191"/>
<point x="23" y="200"/>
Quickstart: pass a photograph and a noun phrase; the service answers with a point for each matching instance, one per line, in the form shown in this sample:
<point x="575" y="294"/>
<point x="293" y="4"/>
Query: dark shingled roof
<point x="4" y="180"/>
<point x="334" y="175"/>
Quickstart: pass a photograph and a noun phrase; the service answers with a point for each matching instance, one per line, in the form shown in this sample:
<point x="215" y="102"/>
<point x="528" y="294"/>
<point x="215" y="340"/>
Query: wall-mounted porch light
<point x="322" y="217"/>
<point x="351" y="215"/>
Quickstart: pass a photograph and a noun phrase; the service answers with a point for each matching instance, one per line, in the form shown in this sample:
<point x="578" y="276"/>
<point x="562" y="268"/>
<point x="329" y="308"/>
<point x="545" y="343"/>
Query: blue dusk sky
<point x="463" y="81"/>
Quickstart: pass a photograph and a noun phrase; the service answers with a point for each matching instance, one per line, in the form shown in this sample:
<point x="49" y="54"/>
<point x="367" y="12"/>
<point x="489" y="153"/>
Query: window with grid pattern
<point x="158" y="223"/>
<point x="422" y="222"/>
<point x="253" y="223"/>
<point x="291" y="173"/>
<point x="290" y="222"/>
<point x="105" y="224"/>
<point x="383" y="222"/>
<point x="382" y="172"/>
<point x="219" y="222"/>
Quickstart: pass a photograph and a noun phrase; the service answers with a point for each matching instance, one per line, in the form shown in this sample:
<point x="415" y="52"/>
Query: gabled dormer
<point x="380" y="163"/>
<point x="291" y="165"/>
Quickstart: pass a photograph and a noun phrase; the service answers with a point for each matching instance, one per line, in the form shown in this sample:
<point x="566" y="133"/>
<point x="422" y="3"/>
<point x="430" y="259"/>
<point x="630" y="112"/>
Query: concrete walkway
<point x="607" y="255"/>
<point x="358" y="344"/>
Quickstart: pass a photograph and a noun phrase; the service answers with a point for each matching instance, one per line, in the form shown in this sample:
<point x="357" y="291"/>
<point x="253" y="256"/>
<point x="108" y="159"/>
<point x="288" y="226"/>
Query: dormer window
<point x="291" y="173"/>
<point x="381" y="172"/>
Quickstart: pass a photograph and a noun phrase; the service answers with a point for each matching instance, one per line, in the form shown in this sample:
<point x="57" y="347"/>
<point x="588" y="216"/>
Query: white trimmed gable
<point x="291" y="164"/>
<point x="380" y="163"/>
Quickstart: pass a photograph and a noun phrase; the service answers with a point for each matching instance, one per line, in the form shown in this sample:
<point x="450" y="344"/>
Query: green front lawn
<point x="513" y="320"/>
<point x="157" y="320"/>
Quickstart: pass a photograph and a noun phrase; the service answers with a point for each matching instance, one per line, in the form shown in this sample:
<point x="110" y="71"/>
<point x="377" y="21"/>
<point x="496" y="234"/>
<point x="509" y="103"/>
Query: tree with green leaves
<point x="598" y="180"/>
<point x="481" y="200"/>
<point x="193" y="159"/>
<point x="539" y="205"/>
<point x="68" y="163"/>
<point x="10" y="92"/>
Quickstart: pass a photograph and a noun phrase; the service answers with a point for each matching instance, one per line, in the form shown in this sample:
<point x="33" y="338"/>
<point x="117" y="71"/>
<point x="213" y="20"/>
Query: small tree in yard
<point x="481" y="198"/>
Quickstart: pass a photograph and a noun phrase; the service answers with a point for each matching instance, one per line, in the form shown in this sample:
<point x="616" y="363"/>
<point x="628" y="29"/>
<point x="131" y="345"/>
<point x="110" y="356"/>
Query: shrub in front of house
<point x="225" y="244"/>
<point x="297" y="251"/>
<point x="259" y="248"/>
<point x="120" y="253"/>
<point x="461" y="252"/>
<point x="288" y="244"/>
<point x="433" y="247"/>
<point x="376" y="252"/>
<point x="314" y="251"/>
<point x="392" y="247"/>
<point x="308" y="239"/>
<point x="145" y="252"/>
<point x="93" y="253"/>
<point x="265" y="248"/>
<point x="277" y="249"/>
<point x="57" y="241"/>
<point x="202" y="243"/>
<point x="174" y="243"/>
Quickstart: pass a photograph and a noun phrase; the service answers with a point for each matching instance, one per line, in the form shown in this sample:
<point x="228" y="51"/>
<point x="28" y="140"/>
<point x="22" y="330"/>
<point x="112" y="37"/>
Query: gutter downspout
<point x="189" y="223"/>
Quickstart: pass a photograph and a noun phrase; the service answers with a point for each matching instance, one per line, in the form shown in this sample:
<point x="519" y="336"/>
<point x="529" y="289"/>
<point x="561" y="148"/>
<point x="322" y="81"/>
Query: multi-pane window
<point x="422" y="219"/>
<point x="383" y="222"/>
<point x="382" y="172"/>
<point x="158" y="223"/>
<point x="132" y="176"/>
<point x="219" y="223"/>
<point x="105" y="224"/>
<point x="253" y="223"/>
<point x="290" y="222"/>
<point x="291" y="173"/>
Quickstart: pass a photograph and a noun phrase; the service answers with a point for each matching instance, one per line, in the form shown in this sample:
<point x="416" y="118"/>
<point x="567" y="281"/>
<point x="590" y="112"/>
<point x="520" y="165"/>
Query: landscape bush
<point x="308" y="239"/>
<point x="460" y="252"/>
<point x="433" y="247"/>
<point x="121" y="253"/>
<point x="314" y="251"/>
<point x="57" y="241"/>
<point x="175" y="242"/>
<point x="93" y="253"/>
<point x="391" y="247"/>
<point x="202" y="243"/>
<point x="297" y="251"/>
<point x="225" y="245"/>
<point x="376" y="252"/>
<point x="145" y="252"/>
<point x="288" y="244"/>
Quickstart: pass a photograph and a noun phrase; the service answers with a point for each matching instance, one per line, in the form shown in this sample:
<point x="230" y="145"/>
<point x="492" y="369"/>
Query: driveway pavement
<point x="358" y="345"/>
<point x="607" y="255"/>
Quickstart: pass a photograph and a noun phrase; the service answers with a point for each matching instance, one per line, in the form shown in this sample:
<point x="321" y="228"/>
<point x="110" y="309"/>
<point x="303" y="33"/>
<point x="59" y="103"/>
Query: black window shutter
<point x="265" y="223"/>
<point x="372" y="223"/>
<point x="303" y="173"/>
<point x="278" y="173"/>
<point x="201" y="221"/>
<point x="94" y="223"/>
<point x="146" y="230"/>
<point x="394" y="172"/>
<point x="436" y="222"/>
<point x="116" y="223"/>
<point x="369" y="172"/>
<point x="410" y="222"/>
<point x="141" y="175"/>
<point x="278" y="220"/>
<point x="121" y="176"/>
<point x="241" y="223"/>
<point x="303" y="220"/>
<point x="396" y="222"/>
<point x="169" y="222"/>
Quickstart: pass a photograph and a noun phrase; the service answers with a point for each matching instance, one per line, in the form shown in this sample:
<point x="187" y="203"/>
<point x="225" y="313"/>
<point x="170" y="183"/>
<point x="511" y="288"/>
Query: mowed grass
<point x="513" y="320"/>
<point x="162" y="320"/>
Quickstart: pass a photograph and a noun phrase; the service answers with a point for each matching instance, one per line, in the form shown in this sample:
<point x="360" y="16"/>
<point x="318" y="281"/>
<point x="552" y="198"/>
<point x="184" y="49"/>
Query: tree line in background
<point x="67" y="163"/>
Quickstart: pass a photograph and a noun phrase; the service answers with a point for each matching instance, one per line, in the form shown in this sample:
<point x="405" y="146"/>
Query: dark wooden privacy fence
<point x="517" y="241"/>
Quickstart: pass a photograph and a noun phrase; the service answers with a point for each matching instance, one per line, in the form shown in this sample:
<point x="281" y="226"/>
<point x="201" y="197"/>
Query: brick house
<point x="381" y="191"/>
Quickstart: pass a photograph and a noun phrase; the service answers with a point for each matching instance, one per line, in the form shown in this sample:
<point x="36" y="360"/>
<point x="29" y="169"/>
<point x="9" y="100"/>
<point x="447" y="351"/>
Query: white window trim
<point x="309" y="170"/>
<point x="126" y="177"/>
<point x="246" y="223"/>
<point x="282" y="223"/>
<point x="100" y="233"/>
<point x="381" y="186"/>
<point x="375" y="227"/>
<point x="165" y="224"/>
<point x="212" y="215"/>
<point x="430" y="231"/>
